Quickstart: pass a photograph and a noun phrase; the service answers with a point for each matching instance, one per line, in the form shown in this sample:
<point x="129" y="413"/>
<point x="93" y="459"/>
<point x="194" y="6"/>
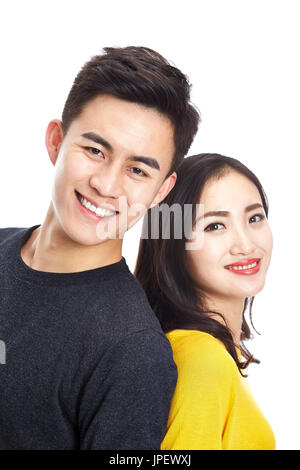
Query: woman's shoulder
<point x="195" y="340"/>
<point x="194" y="349"/>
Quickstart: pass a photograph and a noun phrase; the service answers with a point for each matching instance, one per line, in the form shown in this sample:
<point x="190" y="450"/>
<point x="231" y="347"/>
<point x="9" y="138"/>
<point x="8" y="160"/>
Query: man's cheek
<point x="135" y="212"/>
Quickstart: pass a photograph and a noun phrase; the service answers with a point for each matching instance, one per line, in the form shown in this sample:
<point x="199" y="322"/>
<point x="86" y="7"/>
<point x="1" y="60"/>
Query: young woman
<point x="200" y="292"/>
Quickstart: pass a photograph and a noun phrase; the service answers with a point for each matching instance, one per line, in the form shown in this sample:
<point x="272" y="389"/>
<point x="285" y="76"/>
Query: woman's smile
<point x="245" y="267"/>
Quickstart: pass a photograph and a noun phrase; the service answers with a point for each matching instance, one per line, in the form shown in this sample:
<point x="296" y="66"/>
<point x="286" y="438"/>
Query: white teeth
<point x="97" y="210"/>
<point x="239" y="268"/>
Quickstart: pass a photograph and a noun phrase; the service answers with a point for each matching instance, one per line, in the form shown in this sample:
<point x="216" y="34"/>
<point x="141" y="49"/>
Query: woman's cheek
<point x="264" y="240"/>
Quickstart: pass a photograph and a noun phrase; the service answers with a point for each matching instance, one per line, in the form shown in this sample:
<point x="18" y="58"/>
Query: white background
<point x="243" y="60"/>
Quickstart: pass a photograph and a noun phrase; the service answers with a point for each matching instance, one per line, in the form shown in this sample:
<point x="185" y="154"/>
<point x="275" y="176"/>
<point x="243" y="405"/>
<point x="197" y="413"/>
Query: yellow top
<point x="212" y="407"/>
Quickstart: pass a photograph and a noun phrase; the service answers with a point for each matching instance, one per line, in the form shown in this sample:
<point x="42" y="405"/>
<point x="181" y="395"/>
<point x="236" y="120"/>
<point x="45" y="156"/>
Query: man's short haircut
<point x="139" y="75"/>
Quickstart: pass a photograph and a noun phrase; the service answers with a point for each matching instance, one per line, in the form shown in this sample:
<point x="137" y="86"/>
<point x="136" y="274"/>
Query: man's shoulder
<point x="147" y="347"/>
<point x="114" y="308"/>
<point x="8" y="232"/>
<point x="127" y="298"/>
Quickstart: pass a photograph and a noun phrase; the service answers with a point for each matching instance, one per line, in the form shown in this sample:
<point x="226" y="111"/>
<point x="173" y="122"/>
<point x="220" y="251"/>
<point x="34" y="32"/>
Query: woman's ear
<point x="53" y="139"/>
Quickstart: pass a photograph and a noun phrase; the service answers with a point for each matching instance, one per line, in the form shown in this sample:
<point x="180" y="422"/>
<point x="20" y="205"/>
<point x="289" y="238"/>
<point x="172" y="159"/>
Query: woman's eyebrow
<point x="217" y="214"/>
<point x="227" y="213"/>
<point x="254" y="206"/>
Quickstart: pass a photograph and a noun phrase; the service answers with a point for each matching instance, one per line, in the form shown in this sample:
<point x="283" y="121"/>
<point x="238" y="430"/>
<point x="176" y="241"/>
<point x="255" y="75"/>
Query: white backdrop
<point x="243" y="60"/>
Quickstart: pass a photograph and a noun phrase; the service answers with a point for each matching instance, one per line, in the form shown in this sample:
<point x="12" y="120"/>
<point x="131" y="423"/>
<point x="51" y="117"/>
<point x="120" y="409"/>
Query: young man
<point x="87" y="365"/>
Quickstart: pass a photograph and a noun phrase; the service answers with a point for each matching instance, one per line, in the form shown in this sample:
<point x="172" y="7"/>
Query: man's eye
<point x="256" y="218"/>
<point x="94" y="151"/>
<point x="138" y="171"/>
<point x="213" y="227"/>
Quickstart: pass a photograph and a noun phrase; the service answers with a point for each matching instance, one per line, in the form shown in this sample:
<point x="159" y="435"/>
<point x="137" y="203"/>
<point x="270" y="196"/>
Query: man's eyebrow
<point x="226" y="213"/>
<point x="152" y="162"/>
<point x="97" y="139"/>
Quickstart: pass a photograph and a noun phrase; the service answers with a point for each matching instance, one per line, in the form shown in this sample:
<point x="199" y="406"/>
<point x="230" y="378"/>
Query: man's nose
<point x="241" y="243"/>
<point x="108" y="181"/>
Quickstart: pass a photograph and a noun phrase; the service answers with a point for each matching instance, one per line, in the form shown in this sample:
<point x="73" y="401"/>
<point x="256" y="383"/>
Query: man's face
<point x="115" y="156"/>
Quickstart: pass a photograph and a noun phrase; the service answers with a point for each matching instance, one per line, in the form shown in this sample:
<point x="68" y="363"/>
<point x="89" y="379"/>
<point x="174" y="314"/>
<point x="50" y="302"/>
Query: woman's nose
<point x="241" y="243"/>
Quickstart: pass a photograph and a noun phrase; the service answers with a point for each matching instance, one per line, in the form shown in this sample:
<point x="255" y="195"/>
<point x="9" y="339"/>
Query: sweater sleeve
<point x="127" y="399"/>
<point x="204" y="394"/>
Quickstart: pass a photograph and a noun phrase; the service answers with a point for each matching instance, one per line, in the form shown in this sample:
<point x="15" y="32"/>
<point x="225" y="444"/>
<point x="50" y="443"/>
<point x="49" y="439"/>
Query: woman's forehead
<point x="233" y="188"/>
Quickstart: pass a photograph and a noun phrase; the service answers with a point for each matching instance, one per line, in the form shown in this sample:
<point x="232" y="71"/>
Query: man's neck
<point x="50" y="249"/>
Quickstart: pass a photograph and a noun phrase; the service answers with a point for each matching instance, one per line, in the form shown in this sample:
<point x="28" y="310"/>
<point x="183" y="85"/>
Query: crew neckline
<point x="23" y="271"/>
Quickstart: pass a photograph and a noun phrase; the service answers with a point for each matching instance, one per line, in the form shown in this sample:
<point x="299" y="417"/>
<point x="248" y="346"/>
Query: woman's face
<point x="236" y="247"/>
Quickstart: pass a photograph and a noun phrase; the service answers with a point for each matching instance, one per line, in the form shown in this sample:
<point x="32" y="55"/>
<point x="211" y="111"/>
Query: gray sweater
<point x="84" y="363"/>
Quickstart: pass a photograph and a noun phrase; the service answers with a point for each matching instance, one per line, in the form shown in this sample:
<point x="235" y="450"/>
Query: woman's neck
<point x="232" y="311"/>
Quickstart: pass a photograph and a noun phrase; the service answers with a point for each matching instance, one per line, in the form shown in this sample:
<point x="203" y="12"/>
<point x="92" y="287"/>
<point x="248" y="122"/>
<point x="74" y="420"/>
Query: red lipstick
<point x="239" y="266"/>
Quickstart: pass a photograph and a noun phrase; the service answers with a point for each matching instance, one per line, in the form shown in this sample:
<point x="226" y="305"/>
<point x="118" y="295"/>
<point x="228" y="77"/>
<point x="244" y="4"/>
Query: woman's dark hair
<point x="139" y="75"/>
<point x="162" y="265"/>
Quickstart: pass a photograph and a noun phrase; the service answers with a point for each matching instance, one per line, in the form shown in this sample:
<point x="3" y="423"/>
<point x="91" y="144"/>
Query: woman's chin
<point x="251" y="291"/>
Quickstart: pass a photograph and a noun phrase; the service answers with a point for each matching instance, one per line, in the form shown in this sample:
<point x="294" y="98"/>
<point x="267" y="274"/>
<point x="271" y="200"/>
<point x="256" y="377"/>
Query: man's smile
<point x="90" y="208"/>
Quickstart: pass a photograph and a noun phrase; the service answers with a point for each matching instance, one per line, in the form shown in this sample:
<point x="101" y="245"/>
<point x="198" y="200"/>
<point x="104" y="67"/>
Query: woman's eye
<point x="213" y="227"/>
<point x="256" y="218"/>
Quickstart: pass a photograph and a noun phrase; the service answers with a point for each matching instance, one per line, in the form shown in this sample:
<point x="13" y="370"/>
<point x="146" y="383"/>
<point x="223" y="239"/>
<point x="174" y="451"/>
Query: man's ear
<point x="165" y="188"/>
<point x="53" y="139"/>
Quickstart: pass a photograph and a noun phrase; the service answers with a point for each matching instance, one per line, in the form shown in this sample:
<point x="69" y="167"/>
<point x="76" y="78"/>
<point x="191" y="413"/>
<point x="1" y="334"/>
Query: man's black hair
<point x="139" y="75"/>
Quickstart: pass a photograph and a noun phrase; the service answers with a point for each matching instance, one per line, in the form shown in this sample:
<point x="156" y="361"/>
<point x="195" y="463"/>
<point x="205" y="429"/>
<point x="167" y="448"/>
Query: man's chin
<point x="109" y="231"/>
